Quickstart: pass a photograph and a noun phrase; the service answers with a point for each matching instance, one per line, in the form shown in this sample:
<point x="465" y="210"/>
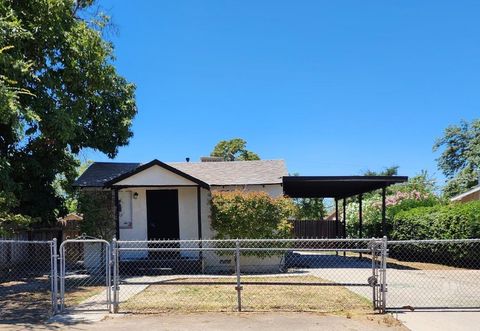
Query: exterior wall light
<point x="135" y="195"/>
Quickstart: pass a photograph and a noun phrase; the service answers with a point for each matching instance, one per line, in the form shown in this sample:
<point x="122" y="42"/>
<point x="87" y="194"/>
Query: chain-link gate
<point x="85" y="274"/>
<point x="433" y="274"/>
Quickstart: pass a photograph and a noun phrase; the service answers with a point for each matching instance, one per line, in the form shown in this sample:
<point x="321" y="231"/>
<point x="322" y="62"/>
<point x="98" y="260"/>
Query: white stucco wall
<point x="188" y="219"/>
<point x="187" y="209"/>
<point x="187" y="212"/>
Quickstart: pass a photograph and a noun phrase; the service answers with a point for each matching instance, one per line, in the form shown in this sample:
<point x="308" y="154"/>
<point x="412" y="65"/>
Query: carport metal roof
<point x="337" y="187"/>
<point x="341" y="187"/>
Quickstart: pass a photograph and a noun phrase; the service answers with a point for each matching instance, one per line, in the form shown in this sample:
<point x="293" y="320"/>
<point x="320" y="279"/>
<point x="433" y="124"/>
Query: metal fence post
<point x="373" y="279"/>
<point x="62" y="277"/>
<point x="384" y="252"/>
<point x="237" y="267"/>
<point x="115" y="286"/>
<point x="108" y="275"/>
<point x="54" y="275"/>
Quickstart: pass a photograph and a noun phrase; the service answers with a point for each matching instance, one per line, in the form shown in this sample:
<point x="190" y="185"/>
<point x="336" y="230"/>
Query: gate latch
<point x="372" y="281"/>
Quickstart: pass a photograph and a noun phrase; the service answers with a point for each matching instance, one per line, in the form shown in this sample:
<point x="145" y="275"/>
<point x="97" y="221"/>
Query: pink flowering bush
<point x="399" y="200"/>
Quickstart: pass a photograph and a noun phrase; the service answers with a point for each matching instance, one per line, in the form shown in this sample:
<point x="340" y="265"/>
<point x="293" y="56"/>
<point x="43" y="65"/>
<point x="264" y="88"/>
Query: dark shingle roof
<point x="212" y="173"/>
<point x="101" y="172"/>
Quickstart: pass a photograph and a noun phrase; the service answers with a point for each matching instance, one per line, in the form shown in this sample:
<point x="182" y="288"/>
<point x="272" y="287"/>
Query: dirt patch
<point x="25" y="301"/>
<point x="29" y="301"/>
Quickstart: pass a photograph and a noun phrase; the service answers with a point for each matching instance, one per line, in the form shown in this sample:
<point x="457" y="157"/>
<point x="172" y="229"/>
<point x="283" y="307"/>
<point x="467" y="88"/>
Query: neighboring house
<point x="160" y="200"/>
<point x="470" y="195"/>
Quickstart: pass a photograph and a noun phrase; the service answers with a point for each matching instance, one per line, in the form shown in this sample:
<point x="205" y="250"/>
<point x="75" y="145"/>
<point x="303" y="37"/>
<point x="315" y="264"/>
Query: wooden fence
<point x="318" y="229"/>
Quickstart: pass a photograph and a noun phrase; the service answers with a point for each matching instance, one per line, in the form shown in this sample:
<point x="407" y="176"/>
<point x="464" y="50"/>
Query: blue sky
<point x="332" y="87"/>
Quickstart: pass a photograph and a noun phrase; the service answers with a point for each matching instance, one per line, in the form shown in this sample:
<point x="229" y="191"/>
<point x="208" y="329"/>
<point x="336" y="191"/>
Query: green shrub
<point x="255" y="215"/>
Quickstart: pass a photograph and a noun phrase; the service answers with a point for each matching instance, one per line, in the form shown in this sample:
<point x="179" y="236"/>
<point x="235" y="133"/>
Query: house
<point x="470" y="195"/>
<point x="158" y="200"/>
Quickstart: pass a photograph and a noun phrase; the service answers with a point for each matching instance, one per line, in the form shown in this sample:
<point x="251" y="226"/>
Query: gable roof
<point x="160" y="164"/>
<point x="260" y="172"/>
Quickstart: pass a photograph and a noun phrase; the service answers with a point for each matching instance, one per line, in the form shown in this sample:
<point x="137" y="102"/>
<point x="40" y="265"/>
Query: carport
<point x="341" y="188"/>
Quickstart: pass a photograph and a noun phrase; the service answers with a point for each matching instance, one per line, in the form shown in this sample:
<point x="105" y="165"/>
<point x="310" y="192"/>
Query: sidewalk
<point x="232" y="321"/>
<point x="439" y="320"/>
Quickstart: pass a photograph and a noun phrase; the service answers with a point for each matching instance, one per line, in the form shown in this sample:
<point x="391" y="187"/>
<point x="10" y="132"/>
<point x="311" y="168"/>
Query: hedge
<point x="452" y="221"/>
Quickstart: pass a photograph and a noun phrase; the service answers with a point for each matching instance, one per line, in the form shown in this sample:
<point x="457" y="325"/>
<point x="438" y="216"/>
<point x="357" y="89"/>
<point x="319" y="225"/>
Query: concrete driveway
<point x="440" y="320"/>
<point x="439" y="288"/>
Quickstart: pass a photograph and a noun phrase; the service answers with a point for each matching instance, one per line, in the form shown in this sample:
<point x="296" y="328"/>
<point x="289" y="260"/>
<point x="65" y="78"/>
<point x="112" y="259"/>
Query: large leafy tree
<point x="59" y="94"/>
<point x="234" y="150"/>
<point x="460" y="158"/>
<point x="388" y="171"/>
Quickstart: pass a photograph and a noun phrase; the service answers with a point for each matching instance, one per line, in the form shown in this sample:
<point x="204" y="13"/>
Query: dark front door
<point x="162" y="214"/>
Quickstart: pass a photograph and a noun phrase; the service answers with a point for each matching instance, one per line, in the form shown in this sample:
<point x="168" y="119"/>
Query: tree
<point x="70" y="195"/>
<point x="59" y="94"/>
<point x="460" y="158"/>
<point x="234" y="150"/>
<point x="309" y="209"/>
<point x="389" y="171"/>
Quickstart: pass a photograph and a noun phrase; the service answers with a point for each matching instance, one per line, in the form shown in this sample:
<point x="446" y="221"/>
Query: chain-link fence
<point x="433" y="274"/>
<point x="325" y="275"/>
<point x="26" y="283"/>
<point x="253" y="275"/>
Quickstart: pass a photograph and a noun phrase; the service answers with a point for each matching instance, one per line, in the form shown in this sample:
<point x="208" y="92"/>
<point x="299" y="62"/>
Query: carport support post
<point x="344" y="205"/>
<point x="384" y="212"/>
<point x="360" y="218"/>
<point x="237" y="267"/>
<point x="337" y="221"/>
<point x="337" y="228"/>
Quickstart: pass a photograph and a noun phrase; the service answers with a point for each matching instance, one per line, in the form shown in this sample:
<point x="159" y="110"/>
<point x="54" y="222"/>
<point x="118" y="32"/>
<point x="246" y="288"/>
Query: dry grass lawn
<point x="186" y="295"/>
